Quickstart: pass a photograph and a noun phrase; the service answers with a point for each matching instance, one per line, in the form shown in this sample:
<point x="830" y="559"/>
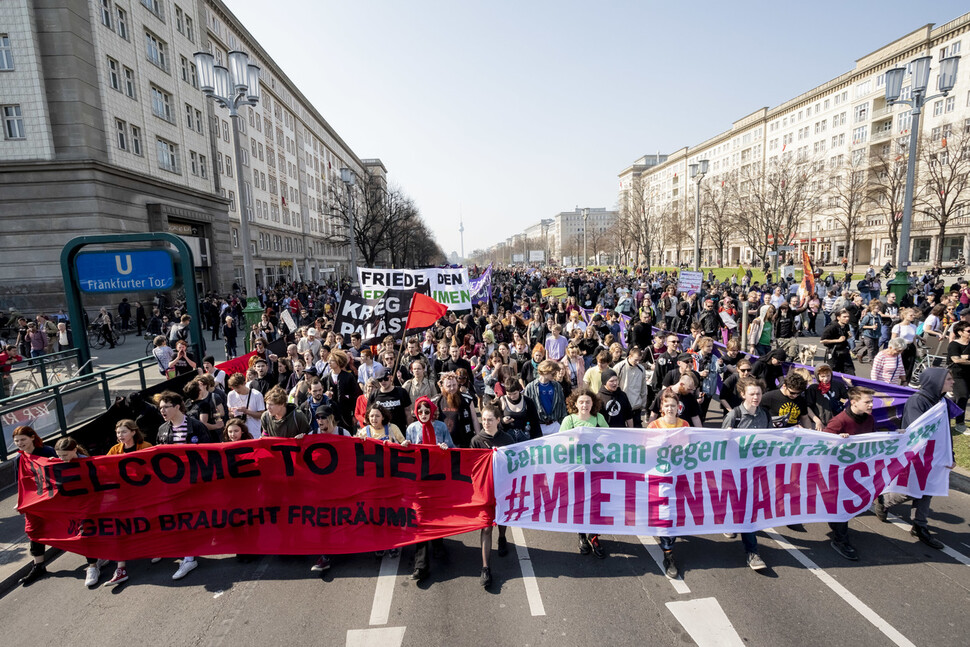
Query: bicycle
<point x="96" y="338"/>
<point x="58" y="371"/>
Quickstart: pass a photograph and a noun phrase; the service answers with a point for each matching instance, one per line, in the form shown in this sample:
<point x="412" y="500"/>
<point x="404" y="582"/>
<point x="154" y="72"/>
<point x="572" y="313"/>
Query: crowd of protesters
<point x="613" y="349"/>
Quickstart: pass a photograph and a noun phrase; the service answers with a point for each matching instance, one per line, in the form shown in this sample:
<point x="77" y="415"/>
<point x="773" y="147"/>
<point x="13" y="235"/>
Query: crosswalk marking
<point x="706" y="622"/>
<point x="864" y="610"/>
<point x="653" y="547"/>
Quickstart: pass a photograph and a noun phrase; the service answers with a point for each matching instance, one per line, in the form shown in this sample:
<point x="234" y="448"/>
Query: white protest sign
<point x="448" y="285"/>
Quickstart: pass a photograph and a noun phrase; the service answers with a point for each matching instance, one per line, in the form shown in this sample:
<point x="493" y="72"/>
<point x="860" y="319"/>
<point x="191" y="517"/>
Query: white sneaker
<point x="186" y="568"/>
<point x="92" y="575"/>
<point x="156" y="560"/>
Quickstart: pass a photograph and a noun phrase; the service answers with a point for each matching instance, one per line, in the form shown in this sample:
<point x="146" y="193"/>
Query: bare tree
<point x="847" y="197"/>
<point x="888" y="189"/>
<point x="774" y="201"/>
<point x="717" y="215"/>
<point x="945" y="162"/>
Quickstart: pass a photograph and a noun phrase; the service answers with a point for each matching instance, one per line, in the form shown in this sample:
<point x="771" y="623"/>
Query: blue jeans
<point x="36" y="353"/>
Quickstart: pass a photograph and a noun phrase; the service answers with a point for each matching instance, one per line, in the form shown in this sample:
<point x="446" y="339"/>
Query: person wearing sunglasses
<point x="394" y="399"/>
<point x="729" y="396"/>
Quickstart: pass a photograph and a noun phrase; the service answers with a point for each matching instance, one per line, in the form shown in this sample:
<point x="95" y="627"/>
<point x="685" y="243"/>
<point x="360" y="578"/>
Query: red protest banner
<point x="318" y="495"/>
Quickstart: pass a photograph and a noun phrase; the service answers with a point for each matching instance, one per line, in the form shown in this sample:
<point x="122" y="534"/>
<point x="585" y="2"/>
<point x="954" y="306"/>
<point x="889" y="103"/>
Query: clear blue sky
<point x="514" y="111"/>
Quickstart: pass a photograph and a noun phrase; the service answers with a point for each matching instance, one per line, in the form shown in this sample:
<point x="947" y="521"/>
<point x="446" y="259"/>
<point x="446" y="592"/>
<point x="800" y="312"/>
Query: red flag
<point x="424" y="312"/>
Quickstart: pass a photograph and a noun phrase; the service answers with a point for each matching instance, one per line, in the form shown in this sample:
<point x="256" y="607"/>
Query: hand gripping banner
<point x="318" y="495"/>
<point x="698" y="481"/>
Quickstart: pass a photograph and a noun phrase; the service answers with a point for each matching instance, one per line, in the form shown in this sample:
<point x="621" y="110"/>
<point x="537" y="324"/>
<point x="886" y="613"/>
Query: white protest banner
<point x="448" y="285"/>
<point x="689" y="282"/>
<point x="288" y="320"/>
<point x="700" y="481"/>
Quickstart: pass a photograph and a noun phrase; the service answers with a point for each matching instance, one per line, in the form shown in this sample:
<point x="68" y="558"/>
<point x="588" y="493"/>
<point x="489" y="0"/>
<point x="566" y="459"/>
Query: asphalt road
<point x="900" y="593"/>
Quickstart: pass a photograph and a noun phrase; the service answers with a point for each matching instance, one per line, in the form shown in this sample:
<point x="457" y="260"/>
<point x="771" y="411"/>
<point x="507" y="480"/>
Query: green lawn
<point x="725" y="273"/>
<point x="961" y="447"/>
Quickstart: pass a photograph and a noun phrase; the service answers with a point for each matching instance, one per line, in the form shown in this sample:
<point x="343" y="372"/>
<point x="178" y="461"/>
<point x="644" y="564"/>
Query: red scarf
<point x="823" y="387"/>
<point x="428" y="436"/>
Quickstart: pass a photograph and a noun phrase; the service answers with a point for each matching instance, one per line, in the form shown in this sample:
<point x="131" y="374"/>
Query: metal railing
<point x="58" y="407"/>
<point x="32" y="373"/>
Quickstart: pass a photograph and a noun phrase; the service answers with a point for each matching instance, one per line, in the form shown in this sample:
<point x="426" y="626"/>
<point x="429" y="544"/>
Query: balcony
<point x="880" y="113"/>
<point x="880" y="135"/>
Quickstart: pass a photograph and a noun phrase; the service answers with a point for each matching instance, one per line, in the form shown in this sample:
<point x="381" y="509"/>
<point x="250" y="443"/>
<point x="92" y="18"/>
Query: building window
<point x="232" y="201"/>
<point x="122" y="134"/>
<point x="130" y="82"/>
<point x="156" y="50"/>
<point x="193" y="156"/>
<point x="189" y="114"/>
<point x="179" y="20"/>
<point x="167" y="155"/>
<point x="6" y="54"/>
<point x="122" y="18"/>
<point x="225" y="130"/>
<point x="951" y="104"/>
<point x="106" y="13"/>
<point x="156" y="7"/>
<point x="203" y="167"/>
<point x="13" y="123"/>
<point x="938" y="108"/>
<point x="198" y="121"/>
<point x="189" y="33"/>
<point x="228" y="166"/>
<point x="861" y="112"/>
<point x="162" y="104"/>
<point x="235" y="238"/>
<point x="136" y="140"/>
<point x="114" y="78"/>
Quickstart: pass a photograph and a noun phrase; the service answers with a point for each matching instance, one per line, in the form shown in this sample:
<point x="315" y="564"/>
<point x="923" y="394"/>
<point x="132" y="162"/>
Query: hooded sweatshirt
<point x="615" y="407"/>
<point x="292" y="424"/>
<point x="930" y="392"/>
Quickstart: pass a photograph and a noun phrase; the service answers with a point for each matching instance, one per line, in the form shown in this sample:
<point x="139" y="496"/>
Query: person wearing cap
<point x="394" y="399"/>
<point x="615" y="405"/>
<point x="685" y="364"/>
<point x="316" y="400"/>
<point x="309" y="343"/>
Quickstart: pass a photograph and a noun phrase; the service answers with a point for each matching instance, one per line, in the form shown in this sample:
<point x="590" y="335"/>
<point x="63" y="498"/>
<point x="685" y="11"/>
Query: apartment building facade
<point x="107" y="131"/>
<point x="840" y="132"/>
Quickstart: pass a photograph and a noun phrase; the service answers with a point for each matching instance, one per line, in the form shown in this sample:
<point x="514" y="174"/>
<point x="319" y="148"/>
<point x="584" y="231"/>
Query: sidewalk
<point x="15" y="557"/>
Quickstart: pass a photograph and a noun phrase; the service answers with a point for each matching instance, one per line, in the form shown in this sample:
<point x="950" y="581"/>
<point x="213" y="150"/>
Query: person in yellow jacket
<point x="130" y="439"/>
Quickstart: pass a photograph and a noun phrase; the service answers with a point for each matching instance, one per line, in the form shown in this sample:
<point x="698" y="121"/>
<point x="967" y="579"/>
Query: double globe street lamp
<point x="919" y="80"/>
<point x="232" y="87"/>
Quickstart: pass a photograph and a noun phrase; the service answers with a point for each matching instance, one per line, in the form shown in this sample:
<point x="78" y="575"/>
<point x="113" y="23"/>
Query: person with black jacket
<point x="769" y="367"/>
<point x="615" y="404"/>
<point x="520" y="415"/>
<point x="835" y="338"/>
<point x="179" y="429"/>
<point x="935" y="382"/>
<point x="641" y="333"/>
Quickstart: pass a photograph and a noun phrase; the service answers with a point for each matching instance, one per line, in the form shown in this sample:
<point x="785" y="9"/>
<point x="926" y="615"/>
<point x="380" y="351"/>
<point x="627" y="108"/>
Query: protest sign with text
<point x="376" y="318"/>
<point x="447" y="285"/>
<point x="320" y="494"/>
<point x="689" y="282"/>
<point x="697" y="481"/>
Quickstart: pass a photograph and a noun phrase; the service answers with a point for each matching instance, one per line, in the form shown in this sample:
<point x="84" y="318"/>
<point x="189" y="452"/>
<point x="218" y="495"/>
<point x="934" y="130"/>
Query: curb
<point x="960" y="480"/>
<point x="12" y="581"/>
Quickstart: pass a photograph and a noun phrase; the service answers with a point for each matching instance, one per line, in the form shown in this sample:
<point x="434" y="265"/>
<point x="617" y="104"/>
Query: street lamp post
<point x="232" y="87"/>
<point x="348" y="178"/>
<point x="698" y="171"/>
<point x="585" y="254"/>
<point x="919" y="80"/>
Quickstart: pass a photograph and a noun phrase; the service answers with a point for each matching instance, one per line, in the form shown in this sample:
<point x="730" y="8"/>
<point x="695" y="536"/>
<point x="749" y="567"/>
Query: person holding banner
<point x="490" y="437"/>
<point x="749" y="415"/>
<point x="855" y="419"/>
<point x="343" y="389"/>
<point x="29" y="442"/>
<point x="584" y="411"/>
<point x="935" y="383"/>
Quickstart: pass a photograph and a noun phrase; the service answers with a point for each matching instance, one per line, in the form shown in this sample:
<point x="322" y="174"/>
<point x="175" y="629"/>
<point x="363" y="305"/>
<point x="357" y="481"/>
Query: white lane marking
<point x="652" y="544"/>
<point x="960" y="557"/>
<point x="380" y="637"/>
<point x="528" y="574"/>
<point x="864" y="610"/>
<point x="381" y="609"/>
<point x="706" y="622"/>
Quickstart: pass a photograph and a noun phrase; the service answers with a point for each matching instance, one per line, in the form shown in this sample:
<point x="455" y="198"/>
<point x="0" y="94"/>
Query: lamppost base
<point x="900" y="285"/>
<point x="252" y="314"/>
